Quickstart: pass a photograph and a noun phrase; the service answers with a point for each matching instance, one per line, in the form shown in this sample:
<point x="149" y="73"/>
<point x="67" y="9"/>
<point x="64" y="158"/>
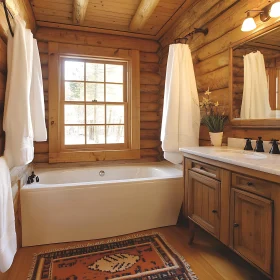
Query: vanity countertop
<point x="258" y="161"/>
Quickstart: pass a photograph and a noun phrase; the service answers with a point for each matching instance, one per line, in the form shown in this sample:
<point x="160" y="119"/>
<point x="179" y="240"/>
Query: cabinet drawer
<point x="251" y="184"/>
<point x="206" y="169"/>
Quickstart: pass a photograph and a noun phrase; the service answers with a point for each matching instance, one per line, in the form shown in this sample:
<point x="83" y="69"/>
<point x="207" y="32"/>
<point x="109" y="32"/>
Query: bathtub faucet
<point x="32" y="177"/>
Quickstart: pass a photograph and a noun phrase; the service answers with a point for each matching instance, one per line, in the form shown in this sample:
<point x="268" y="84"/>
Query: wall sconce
<point x="275" y="10"/>
<point x="270" y="11"/>
<point x="248" y="24"/>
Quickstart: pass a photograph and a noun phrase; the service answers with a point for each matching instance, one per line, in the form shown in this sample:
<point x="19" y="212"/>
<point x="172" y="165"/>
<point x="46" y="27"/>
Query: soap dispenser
<point x="274" y="149"/>
<point x="248" y="146"/>
<point x="259" y="145"/>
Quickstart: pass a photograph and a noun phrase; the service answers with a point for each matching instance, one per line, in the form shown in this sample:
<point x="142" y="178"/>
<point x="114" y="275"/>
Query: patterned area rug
<point x="140" y="257"/>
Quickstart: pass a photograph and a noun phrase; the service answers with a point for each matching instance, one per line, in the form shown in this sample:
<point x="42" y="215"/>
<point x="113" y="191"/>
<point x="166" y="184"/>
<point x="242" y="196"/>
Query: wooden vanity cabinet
<point x="204" y="202"/>
<point x="238" y="206"/>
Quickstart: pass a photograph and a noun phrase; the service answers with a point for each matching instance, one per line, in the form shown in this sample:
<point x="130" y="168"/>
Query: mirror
<point x="255" y="80"/>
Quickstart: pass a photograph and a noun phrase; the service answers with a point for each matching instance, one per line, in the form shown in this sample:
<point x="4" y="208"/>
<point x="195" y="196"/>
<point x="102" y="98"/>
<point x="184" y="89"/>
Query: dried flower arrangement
<point x="213" y="118"/>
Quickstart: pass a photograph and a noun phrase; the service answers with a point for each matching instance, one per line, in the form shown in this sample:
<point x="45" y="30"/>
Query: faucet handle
<point x="274" y="149"/>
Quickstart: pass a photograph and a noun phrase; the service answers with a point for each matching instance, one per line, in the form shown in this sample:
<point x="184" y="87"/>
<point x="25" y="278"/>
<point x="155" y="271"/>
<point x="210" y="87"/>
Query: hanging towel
<point x="17" y="114"/>
<point x="255" y="100"/>
<point x="181" y="113"/>
<point x="8" y="239"/>
<point x="37" y="98"/>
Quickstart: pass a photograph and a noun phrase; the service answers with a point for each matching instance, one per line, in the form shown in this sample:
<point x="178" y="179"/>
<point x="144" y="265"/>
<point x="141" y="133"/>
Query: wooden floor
<point x="209" y="259"/>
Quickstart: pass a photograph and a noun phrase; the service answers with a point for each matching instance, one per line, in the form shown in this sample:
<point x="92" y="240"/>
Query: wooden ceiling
<point x="136" y="18"/>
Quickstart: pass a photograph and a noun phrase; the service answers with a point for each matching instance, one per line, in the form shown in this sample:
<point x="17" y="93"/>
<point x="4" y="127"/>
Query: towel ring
<point x="7" y="13"/>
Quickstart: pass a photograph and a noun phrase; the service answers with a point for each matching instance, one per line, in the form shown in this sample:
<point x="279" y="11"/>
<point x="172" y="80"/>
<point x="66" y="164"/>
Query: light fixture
<point x="270" y="11"/>
<point x="248" y="24"/>
<point x="275" y="10"/>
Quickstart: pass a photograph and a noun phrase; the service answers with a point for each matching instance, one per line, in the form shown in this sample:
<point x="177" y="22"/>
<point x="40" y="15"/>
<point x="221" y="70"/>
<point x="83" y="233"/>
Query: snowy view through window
<point x="94" y="105"/>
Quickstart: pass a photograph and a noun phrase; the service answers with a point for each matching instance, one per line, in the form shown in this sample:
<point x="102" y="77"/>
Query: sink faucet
<point x="248" y="146"/>
<point x="259" y="145"/>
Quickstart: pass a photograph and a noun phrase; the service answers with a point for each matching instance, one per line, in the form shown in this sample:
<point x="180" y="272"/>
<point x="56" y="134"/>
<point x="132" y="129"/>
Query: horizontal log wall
<point x="149" y="79"/>
<point x="211" y="53"/>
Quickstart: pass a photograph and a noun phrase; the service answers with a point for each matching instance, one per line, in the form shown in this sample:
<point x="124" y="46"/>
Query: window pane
<point x="74" y="91"/>
<point x="115" y="134"/>
<point x="74" y="135"/>
<point x="95" y="92"/>
<point x="74" y="70"/>
<point x="115" y="114"/>
<point x="114" y="73"/>
<point x="95" y="72"/>
<point x="74" y="114"/>
<point x="96" y="134"/>
<point x="95" y="114"/>
<point x="114" y="93"/>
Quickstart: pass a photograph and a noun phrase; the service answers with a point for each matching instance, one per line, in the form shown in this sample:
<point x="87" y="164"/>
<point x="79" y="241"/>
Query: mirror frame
<point x="254" y="123"/>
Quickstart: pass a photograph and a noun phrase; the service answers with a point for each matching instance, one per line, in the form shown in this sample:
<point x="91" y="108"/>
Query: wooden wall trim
<point x="95" y="39"/>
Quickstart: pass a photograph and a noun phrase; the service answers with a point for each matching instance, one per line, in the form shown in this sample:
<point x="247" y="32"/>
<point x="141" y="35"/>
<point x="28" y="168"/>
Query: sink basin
<point x="241" y="154"/>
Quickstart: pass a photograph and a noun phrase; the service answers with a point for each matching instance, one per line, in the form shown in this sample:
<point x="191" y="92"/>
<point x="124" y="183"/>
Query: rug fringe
<point x="115" y="239"/>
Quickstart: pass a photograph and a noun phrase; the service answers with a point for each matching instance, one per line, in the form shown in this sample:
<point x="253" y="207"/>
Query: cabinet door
<point x="204" y="202"/>
<point x="251" y="219"/>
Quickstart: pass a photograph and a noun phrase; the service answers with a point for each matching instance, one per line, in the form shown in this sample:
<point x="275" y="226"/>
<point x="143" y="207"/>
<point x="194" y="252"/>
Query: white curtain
<point x="255" y="100"/>
<point x="181" y="113"/>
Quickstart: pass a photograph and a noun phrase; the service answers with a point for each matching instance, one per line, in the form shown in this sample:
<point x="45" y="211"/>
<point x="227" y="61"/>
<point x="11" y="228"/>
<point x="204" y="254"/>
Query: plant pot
<point x="216" y="138"/>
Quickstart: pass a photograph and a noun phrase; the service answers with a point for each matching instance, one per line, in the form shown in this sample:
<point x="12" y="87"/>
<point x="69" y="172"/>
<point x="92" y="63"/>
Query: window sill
<point x="90" y="156"/>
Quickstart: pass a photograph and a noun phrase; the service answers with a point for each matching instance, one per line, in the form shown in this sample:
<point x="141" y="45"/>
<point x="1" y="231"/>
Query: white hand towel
<point x="181" y="113"/>
<point x="8" y="239"/>
<point x="37" y="98"/>
<point x="17" y="116"/>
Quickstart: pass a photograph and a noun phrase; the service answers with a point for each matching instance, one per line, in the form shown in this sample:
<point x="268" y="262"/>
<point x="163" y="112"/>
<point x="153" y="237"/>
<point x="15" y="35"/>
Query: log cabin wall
<point x="211" y="53"/>
<point x="149" y="78"/>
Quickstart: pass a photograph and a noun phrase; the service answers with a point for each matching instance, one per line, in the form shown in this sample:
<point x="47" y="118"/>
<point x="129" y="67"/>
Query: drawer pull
<point x="202" y="168"/>
<point x="214" y="211"/>
<point x="235" y="225"/>
<point x="250" y="184"/>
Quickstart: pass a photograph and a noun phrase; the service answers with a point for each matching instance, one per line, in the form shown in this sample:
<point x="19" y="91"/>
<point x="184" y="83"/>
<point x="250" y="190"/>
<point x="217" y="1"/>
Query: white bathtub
<point x="78" y="204"/>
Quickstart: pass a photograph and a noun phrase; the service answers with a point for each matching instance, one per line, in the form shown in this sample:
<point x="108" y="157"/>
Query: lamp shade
<point x="275" y="10"/>
<point x="248" y="24"/>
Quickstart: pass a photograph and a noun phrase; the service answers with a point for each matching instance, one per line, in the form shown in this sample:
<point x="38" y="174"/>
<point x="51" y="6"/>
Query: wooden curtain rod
<point x="7" y="12"/>
<point x="196" y="30"/>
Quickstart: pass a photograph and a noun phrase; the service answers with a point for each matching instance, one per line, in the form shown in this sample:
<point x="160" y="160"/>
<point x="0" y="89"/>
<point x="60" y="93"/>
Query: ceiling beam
<point x="143" y="13"/>
<point x="79" y="11"/>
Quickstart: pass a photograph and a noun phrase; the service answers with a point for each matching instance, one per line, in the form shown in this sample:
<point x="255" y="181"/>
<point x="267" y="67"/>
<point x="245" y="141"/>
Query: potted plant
<point x="213" y="119"/>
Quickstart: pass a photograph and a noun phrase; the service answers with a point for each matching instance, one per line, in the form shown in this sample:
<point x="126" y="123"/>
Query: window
<point x="95" y="104"/>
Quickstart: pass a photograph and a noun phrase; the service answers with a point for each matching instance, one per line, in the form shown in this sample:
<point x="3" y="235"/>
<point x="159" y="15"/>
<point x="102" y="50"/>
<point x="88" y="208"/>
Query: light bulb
<point x="248" y="24"/>
<point x="275" y="10"/>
